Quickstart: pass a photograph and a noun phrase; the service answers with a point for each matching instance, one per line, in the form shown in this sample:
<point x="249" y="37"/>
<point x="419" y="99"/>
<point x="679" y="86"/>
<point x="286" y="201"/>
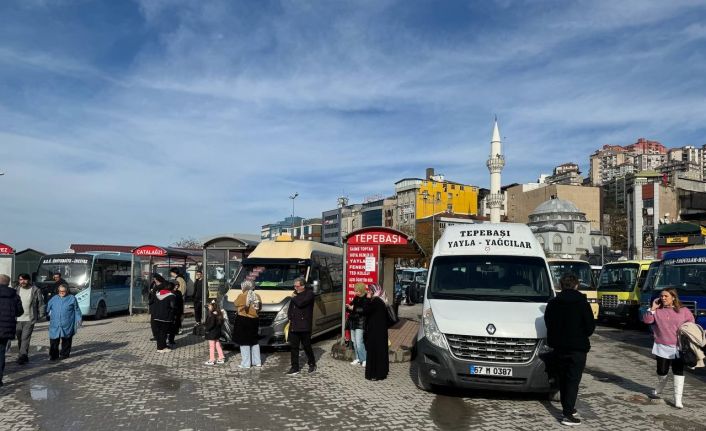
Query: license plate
<point x="491" y="371"/>
<point x="609" y="313"/>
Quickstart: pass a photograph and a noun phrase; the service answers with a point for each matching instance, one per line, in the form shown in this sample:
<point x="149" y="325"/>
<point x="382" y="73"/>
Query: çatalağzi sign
<point x="149" y="250"/>
<point x="377" y="238"/>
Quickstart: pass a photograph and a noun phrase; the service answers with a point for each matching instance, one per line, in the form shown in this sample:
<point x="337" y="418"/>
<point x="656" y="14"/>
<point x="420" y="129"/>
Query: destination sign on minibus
<point x="487" y="237"/>
<point x="64" y="260"/>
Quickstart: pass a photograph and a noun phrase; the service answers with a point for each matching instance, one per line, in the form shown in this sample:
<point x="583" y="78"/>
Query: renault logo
<point x="490" y="328"/>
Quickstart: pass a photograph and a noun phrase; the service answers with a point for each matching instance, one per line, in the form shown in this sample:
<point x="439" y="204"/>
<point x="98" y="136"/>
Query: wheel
<point x="422" y="383"/>
<point x="101" y="311"/>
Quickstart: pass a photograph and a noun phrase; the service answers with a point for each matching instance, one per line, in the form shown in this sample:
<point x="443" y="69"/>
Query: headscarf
<point x="249" y="289"/>
<point x="378" y="292"/>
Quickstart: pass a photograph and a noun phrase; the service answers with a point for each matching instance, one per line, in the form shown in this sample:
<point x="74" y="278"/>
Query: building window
<point x="557" y="243"/>
<point x="568" y="240"/>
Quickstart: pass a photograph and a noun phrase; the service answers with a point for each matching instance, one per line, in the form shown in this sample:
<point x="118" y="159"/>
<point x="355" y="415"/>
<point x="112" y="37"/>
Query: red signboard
<point x="361" y="266"/>
<point x="381" y="237"/>
<point x="6" y="249"/>
<point x="149" y="250"/>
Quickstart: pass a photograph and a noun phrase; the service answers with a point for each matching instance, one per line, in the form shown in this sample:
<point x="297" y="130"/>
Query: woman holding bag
<point x="666" y="315"/>
<point x="247" y="324"/>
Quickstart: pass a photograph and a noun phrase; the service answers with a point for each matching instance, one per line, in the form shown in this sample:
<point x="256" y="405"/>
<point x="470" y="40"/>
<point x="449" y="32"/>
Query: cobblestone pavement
<point x="115" y="379"/>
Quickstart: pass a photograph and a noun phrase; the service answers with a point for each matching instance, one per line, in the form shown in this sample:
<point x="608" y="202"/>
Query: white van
<point x="483" y="316"/>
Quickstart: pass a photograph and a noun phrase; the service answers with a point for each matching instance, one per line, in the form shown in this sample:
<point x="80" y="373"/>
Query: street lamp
<point x="294" y="196"/>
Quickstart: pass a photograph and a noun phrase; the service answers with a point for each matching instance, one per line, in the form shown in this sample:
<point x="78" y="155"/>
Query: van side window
<point x="323" y="273"/>
<point x="97" y="277"/>
<point x="336" y="272"/>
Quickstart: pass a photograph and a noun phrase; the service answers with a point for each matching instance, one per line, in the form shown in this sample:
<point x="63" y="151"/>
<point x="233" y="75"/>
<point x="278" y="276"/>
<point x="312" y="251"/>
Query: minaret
<point x="495" y="164"/>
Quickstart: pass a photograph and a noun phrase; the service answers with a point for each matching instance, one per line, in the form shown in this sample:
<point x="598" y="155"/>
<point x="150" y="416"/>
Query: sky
<point x="136" y="122"/>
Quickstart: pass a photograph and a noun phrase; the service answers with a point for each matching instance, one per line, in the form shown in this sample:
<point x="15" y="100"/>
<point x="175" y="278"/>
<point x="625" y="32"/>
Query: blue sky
<point x="135" y="122"/>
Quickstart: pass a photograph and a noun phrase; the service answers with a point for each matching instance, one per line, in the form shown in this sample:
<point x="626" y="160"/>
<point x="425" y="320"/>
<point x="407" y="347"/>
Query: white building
<point x="564" y="231"/>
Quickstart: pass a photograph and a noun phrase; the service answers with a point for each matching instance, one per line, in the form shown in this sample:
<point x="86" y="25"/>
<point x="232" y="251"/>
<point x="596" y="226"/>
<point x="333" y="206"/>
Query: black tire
<point x="422" y="383"/>
<point x="101" y="311"/>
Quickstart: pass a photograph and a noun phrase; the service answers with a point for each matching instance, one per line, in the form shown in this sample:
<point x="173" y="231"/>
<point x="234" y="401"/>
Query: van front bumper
<point x="437" y="366"/>
<point x="621" y="312"/>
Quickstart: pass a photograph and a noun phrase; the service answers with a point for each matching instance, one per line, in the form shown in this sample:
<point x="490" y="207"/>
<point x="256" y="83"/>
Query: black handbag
<point x="391" y="316"/>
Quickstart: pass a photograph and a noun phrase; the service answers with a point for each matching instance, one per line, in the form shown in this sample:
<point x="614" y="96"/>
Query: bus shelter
<point x="369" y="257"/>
<point x="148" y="260"/>
<point x="222" y="259"/>
<point x="7" y="261"/>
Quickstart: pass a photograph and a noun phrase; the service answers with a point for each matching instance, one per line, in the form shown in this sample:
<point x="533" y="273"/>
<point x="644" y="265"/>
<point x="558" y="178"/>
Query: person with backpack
<point x="375" y="337"/>
<point x="666" y="316"/>
<point x="163" y="310"/>
<point x="213" y="328"/>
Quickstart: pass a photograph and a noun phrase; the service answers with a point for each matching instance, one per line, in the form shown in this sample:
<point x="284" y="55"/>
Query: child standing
<point x="214" y="324"/>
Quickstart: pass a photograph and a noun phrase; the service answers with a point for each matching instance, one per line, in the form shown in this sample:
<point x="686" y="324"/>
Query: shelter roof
<point x="410" y="250"/>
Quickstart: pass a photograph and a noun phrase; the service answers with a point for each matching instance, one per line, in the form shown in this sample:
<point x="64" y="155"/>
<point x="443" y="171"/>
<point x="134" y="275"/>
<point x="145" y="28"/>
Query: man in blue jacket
<point x="10" y="309"/>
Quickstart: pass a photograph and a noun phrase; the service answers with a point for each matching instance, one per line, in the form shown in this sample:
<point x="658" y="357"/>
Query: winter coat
<point x="65" y="316"/>
<point x="692" y="337"/>
<point x="10" y="310"/>
<point x="356" y="318"/>
<point x="569" y="321"/>
<point x="178" y="303"/>
<point x="213" y="326"/>
<point x="36" y="306"/>
<point x="247" y="324"/>
<point x="180" y="285"/>
<point x="164" y="306"/>
<point x="301" y="311"/>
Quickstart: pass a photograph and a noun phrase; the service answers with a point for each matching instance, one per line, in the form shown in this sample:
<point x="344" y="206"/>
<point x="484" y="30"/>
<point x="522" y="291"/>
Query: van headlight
<point x="281" y="314"/>
<point x="431" y="331"/>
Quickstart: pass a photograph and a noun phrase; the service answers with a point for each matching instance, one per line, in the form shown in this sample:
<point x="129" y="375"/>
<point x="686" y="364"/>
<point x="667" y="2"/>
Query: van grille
<point x="609" y="301"/>
<point x="266" y="317"/>
<point x="492" y="349"/>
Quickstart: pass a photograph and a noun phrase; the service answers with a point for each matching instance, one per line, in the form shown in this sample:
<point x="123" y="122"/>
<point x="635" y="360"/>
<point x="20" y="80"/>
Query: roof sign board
<point x="149" y="250"/>
<point x="6" y="249"/>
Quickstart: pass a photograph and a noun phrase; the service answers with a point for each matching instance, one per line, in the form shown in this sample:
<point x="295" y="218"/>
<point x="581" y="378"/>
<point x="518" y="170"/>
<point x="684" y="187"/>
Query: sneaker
<point x="292" y="372"/>
<point x="162" y="350"/>
<point x="221" y="361"/>
<point x="243" y="367"/>
<point x="571" y="420"/>
<point x="363" y="363"/>
<point x="258" y="366"/>
<point x="312" y="368"/>
<point x="355" y="362"/>
<point x="209" y="363"/>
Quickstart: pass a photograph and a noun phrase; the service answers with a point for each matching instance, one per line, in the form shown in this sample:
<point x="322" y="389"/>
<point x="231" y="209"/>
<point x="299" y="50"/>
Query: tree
<point x="188" y="242"/>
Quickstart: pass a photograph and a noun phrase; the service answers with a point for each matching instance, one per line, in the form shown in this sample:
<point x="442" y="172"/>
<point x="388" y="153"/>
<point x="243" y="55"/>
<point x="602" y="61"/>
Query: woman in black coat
<point x="377" y="363"/>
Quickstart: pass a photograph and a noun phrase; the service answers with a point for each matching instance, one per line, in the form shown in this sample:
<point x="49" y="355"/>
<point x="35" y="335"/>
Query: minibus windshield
<point x="271" y="276"/>
<point x="687" y="278"/>
<point x="75" y="274"/>
<point x="618" y="278"/>
<point x="490" y="278"/>
<point x="582" y="270"/>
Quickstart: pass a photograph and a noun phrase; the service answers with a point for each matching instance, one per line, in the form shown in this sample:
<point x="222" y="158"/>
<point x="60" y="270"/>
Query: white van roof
<point x="508" y="239"/>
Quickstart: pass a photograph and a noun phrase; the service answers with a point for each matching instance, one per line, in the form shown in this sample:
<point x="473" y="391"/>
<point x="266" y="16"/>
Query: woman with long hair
<point x="666" y="315"/>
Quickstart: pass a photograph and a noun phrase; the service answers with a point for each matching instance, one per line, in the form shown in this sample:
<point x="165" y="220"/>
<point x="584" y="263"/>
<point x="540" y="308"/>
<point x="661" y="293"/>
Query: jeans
<point x="3" y="348"/>
<point x="358" y="345"/>
<point x="570" y="365"/>
<point x="24" y="334"/>
<point x="250" y="355"/>
<point x="295" y="338"/>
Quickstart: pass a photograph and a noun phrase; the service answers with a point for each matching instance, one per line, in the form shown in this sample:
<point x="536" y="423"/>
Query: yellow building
<point x="418" y="198"/>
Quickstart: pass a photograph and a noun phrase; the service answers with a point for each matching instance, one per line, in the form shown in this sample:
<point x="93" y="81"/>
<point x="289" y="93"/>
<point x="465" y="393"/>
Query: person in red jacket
<point x="666" y="315"/>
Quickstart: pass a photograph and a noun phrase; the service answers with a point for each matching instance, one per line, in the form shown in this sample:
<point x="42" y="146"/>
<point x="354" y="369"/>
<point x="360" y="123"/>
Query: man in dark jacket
<point x="10" y="309"/>
<point x="569" y="321"/>
<point x="198" y="297"/>
<point x="300" y="313"/>
<point x="33" y="305"/>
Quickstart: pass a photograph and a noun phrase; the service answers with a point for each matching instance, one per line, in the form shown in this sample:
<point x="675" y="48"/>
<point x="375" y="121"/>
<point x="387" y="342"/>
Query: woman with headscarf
<point x="377" y="363"/>
<point x="246" y="325"/>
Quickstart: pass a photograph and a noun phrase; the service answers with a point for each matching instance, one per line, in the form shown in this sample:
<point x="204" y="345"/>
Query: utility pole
<point x="292" y="197"/>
